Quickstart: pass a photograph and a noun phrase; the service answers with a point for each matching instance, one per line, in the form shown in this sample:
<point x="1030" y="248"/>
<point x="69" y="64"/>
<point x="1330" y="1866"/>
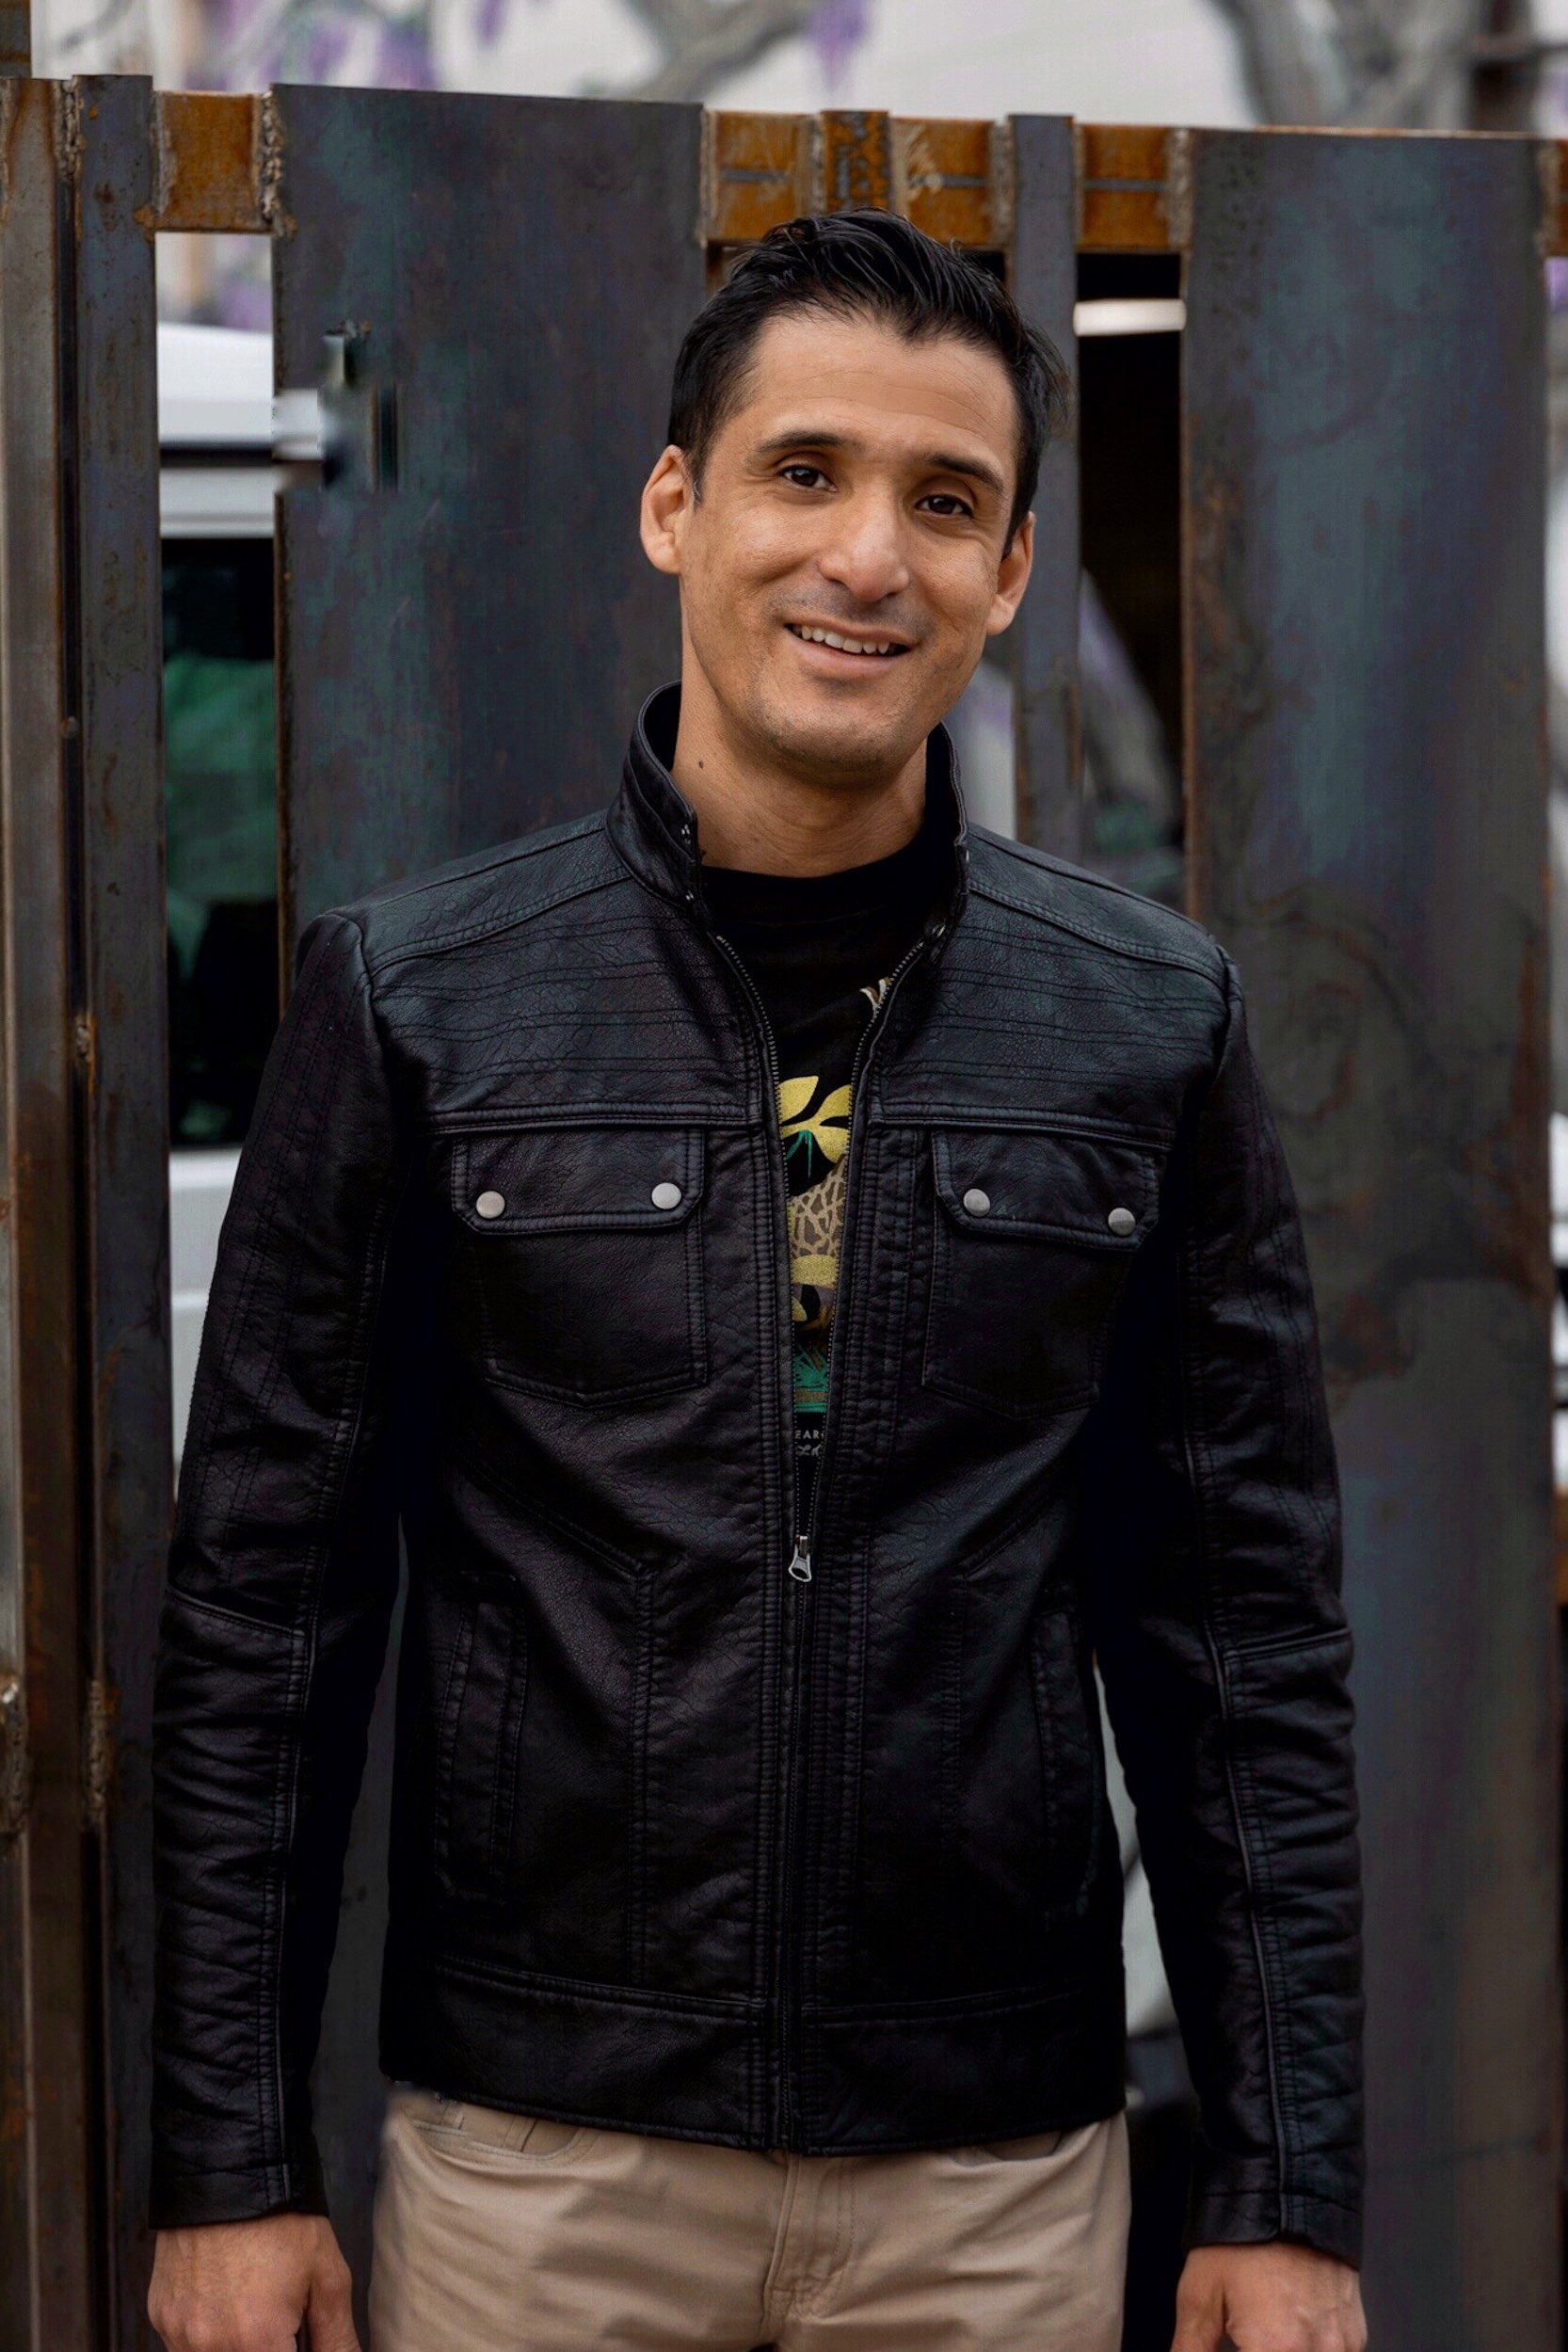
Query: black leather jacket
<point x="683" y="1842"/>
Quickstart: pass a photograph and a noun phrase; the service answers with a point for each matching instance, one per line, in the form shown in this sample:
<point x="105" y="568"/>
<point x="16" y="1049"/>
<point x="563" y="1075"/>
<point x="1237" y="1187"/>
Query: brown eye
<point x="804" y="477"/>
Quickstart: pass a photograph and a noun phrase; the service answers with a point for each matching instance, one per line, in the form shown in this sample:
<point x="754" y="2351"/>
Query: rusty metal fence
<point x="1362" y="486"/>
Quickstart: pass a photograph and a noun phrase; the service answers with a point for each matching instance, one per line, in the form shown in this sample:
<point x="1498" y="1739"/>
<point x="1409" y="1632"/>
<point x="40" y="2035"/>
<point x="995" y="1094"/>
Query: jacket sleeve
<point x="1212" y="1566"/>
<point x="281" y="1574"/>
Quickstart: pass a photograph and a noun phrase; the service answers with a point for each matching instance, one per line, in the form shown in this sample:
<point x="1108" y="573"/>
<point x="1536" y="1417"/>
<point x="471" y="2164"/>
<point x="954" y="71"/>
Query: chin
<point x="844" y="738"/>
<point x="849" y="750"/>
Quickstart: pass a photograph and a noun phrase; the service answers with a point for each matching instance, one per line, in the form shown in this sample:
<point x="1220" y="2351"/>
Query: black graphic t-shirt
<point x="821" y="949"/>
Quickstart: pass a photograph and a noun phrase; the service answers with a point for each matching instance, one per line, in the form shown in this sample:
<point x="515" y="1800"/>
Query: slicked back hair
<point x="864" y="264"/>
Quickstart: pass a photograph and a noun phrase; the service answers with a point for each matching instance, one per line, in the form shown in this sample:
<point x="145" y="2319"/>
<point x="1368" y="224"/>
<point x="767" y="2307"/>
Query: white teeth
<point x="839" y="645"/>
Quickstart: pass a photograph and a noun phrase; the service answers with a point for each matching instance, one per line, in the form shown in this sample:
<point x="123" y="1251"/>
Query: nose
<point x="865" y="554"/>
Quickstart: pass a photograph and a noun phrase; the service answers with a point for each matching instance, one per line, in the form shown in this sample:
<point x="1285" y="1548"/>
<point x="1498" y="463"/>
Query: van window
<point x="221" y="775"/>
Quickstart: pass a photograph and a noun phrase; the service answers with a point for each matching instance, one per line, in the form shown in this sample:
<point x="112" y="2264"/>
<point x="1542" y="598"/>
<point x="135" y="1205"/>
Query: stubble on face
<point x="860" y="489"/>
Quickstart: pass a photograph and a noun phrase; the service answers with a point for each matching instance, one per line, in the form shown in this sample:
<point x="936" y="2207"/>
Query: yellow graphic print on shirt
<point x="814" y="1127"/>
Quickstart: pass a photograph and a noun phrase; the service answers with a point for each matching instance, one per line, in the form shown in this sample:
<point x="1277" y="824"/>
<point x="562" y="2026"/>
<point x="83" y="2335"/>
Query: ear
<point x="668" y="497"/>
<point x="1011" y="578"/>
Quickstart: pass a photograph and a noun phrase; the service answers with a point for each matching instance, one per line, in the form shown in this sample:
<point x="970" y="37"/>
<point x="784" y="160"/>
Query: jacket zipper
<point x="800" y="1558"/>
<point x="800" y="1561"/>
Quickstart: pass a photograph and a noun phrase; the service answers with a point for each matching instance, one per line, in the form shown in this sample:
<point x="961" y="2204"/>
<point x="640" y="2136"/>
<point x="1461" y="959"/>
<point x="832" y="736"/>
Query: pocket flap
<point x="1091" y="1189"/>
<point x="558" y="1180"/>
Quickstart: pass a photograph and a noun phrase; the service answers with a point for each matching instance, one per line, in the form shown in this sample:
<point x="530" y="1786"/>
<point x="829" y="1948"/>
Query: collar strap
<point x="653" y="825"/>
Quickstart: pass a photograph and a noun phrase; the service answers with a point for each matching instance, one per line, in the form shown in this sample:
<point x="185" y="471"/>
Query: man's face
<point x="860" y="490"/>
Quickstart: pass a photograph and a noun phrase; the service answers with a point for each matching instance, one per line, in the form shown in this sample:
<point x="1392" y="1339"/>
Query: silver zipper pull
<point x="800" y="1560"/>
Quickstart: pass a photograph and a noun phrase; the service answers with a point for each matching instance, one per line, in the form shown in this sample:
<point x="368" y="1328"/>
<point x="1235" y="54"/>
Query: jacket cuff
<point x="1238" y="2201"/>
<point x="182" y="2197"/>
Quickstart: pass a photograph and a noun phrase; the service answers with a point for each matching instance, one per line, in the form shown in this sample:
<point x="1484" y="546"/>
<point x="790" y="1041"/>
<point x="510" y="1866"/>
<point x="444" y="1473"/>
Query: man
<point x="805" y="1278"/>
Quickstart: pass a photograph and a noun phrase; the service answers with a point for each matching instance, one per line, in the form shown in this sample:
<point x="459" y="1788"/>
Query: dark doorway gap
<point x="1130" y="456"/>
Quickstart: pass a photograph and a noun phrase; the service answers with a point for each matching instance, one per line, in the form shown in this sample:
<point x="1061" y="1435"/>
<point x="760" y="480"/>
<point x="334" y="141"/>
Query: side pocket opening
<point x="476" y="1751"/>
<point x="1071" y="1762"/>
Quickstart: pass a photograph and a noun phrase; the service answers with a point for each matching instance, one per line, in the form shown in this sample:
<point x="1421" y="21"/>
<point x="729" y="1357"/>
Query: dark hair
<point x="873" y="265"/>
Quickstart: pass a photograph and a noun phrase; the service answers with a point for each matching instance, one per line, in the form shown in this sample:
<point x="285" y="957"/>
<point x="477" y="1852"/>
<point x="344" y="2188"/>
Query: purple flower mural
<point x="403" y="60"/>
<point x="325" y="45"/>
<point x="835" y="33"/>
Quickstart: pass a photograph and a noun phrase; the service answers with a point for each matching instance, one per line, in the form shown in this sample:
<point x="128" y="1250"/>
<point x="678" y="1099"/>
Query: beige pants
<point x="503" y="2233"/>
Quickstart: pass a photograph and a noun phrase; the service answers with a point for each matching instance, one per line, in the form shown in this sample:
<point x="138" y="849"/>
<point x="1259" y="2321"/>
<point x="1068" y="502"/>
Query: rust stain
<point x="10" y="89"/>
<point x="856" y="161"/>
<point x="208" y="146"/>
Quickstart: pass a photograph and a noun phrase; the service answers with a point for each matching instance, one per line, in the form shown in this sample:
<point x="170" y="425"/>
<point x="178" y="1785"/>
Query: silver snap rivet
<point x="490" y="1203"/>
<point x="1121" y="1221"/>
<point x="666" y="1196"/>
<point x="976" y="1201"/>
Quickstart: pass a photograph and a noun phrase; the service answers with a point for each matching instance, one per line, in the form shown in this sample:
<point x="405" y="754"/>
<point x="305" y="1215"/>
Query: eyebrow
<point x="935" y="460"/>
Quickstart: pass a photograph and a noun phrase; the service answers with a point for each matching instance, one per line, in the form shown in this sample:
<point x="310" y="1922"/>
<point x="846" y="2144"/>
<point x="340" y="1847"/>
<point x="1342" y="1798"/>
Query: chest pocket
<point x="579" y="1257"/>
<point x="1035" y="1237"/>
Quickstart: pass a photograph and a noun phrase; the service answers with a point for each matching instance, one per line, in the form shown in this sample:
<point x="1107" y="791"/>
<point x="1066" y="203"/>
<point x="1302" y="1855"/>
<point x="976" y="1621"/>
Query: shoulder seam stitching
<point x="1131" y="948"/>
<point x="492" y="929"/>
<point x="488" y="862"/>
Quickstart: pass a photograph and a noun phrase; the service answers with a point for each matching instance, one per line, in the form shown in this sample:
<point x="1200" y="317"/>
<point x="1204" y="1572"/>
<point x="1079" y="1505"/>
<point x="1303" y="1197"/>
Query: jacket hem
<point x="914" y="2078"/>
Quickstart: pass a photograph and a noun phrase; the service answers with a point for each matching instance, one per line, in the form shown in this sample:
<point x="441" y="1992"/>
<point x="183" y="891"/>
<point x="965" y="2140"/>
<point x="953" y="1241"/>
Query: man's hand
<point x="1278" y="2297"/>
<point x="252" y="2286"/>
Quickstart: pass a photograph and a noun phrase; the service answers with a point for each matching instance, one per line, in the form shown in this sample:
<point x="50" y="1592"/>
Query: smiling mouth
<point x="875" y="647"/>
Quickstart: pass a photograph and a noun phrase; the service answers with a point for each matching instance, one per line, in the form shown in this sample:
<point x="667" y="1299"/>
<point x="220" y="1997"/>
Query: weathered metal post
<point x="84" y="1374"/>
<point x="1047" y="728"/>
<point x="1364" y="476"/>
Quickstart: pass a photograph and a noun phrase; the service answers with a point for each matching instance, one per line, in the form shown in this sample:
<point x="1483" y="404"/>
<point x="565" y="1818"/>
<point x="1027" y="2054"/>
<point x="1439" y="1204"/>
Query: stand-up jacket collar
<point x="653" y="825"/>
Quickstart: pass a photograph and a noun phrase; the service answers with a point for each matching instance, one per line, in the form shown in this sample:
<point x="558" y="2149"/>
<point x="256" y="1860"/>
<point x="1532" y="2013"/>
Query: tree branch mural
<point x="1387" y="64"/>
<point x="396" y="44"/>
<point x="704" y="41"/>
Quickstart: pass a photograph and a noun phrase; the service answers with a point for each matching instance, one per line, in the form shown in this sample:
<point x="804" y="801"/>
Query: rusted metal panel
<point x="48" y="2241"/>
<point x="1364" y="463"/>
<point x="758" y="170"/>
<point x="952" y="177"/>
<point x="462" y="655"/>
<point x="955" y="179"/>
<point x="856" y="161"/>
<point x="115" y="628"/>
<point x="213" y="151"/>
<point x="1043" y="638"/>
<point x="219" y="160"/>
<point x="1132" y="180"/>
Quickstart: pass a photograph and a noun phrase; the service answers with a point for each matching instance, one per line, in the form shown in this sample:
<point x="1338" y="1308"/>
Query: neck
<point x="754" y="810"/>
